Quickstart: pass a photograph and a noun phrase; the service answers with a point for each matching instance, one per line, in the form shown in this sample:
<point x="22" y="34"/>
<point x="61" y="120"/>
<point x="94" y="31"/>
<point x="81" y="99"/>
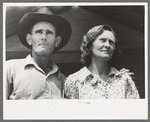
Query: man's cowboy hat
<point x="44" y="14"/>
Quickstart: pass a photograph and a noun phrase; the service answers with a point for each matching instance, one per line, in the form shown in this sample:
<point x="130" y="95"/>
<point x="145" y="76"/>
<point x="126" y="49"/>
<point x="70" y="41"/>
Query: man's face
<point x="43" y="38"/>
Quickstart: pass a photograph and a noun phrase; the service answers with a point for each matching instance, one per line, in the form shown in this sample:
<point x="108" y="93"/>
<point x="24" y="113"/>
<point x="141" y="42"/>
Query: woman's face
<point x="104" y="46"/>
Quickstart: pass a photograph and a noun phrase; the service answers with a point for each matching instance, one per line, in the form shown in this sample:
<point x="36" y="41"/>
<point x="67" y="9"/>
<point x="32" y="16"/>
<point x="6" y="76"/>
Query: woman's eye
<point x="112" y="43"/>
<point x="102" y="40"/>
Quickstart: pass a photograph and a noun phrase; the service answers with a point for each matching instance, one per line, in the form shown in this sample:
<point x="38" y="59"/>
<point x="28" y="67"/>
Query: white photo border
<point x="77" y="109"/>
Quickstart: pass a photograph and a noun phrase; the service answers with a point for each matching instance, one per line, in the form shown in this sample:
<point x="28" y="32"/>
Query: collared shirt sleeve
<point x="9" y="78"/>
<point x="12" y="66"/>
<point x="25" y="80"/>
<point x="62" y="79"/>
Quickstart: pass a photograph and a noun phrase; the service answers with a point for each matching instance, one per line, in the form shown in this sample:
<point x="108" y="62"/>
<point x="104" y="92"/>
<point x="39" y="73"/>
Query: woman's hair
<point x="88" y="39"/>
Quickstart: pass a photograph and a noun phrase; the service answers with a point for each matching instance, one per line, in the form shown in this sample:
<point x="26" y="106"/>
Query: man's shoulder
<point x="15" y="60"/>
<point x="14" y="63"/>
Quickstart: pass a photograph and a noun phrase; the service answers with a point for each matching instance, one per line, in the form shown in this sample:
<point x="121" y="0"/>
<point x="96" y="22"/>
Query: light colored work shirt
<point x="83" y="85"/>
<point x="26" y="80"/>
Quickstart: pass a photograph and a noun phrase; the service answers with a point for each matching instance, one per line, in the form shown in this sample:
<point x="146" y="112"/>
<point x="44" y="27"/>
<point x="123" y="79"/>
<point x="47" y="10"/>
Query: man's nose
<point x="44" y="37"/>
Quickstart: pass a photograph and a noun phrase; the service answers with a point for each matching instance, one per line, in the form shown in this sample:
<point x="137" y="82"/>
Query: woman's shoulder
<point x="79" y="75"/>
<point x="126" y="73"/>
<point x="121" y="72"/>
<point x="131" y="90"/>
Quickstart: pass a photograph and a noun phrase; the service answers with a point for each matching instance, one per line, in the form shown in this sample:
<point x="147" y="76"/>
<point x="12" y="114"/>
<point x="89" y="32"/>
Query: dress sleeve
<point x="71" y="90"/>
<point x="131" y="91"/>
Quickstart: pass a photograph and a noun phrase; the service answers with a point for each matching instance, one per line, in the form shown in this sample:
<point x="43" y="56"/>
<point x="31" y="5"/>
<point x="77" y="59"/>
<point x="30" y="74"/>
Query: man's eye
<point x="38" y="31"/>
<point x="49" y="32"/>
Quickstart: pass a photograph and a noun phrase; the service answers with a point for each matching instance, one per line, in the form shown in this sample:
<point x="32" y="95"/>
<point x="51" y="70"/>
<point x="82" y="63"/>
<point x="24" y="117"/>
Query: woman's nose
<point x="107" y="43"/>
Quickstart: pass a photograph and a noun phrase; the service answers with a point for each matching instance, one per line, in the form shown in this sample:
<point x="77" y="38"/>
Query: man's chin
<point x="44" y="53"/>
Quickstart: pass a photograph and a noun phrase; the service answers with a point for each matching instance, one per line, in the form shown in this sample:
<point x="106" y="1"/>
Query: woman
<point x="98" y="79"/>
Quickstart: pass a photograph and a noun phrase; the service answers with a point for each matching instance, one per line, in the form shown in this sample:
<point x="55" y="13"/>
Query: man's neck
<point x="42" y="62"/>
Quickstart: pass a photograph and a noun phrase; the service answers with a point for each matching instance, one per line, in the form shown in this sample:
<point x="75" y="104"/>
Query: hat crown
<point x="44" y="10"/>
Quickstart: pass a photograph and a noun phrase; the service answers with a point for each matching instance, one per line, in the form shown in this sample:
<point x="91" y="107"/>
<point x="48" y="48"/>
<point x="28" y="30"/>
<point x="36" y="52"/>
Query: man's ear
<point x="28" y="39"/>
<point x="58" y="41"/>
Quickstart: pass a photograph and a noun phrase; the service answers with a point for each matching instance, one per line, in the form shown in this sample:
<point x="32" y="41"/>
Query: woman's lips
<point x="106" y="51"/>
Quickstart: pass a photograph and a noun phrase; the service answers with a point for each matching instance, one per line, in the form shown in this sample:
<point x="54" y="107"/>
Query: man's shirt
<point x="26" y="80"/>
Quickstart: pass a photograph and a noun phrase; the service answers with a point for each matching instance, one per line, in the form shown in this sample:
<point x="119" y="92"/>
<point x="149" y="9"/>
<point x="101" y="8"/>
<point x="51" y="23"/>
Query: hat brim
<point x="28" y="20"/>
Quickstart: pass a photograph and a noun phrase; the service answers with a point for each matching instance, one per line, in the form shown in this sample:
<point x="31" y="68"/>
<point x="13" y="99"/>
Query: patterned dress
<point x="83" y="85"/>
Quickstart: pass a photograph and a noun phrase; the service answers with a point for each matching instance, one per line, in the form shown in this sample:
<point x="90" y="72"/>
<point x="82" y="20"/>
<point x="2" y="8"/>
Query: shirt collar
<point x="30" y="62"/>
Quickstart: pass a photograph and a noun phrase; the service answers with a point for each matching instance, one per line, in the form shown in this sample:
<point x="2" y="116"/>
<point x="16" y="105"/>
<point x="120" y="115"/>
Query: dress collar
<point x="112" y="71"/>
<point x="87" y="75"/>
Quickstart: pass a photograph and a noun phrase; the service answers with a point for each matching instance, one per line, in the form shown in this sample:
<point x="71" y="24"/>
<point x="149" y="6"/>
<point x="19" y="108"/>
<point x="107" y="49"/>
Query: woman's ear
<point x="28" y="39"/>
<point x="58" y="41"/>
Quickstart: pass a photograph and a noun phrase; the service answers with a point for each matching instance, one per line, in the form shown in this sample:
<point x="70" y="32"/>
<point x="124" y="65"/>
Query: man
<point x="36" y="77"/>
